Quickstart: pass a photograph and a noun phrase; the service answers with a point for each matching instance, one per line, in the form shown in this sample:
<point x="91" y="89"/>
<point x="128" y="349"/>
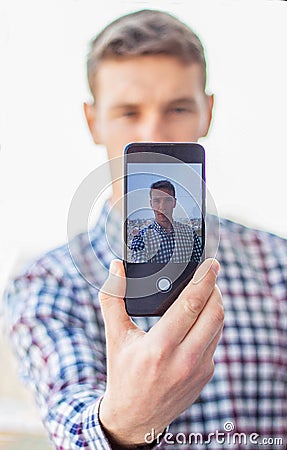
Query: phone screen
<point x="164" y="222"/>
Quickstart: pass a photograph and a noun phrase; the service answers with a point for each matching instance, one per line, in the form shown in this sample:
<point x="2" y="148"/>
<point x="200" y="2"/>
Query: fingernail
<point x="204" y="268"/>
<point x="114" y="268"/>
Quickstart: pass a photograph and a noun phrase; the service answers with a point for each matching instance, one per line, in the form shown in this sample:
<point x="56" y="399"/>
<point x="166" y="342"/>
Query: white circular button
<point x="164" y="284"/>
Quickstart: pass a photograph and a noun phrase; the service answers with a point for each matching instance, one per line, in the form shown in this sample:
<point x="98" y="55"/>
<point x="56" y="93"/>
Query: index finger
<point x="177" y="321"/>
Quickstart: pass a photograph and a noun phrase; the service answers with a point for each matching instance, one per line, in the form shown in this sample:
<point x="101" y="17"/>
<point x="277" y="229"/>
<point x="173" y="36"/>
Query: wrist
<point x="116" y="445"/>
<point x="116" y="441"/>
<point x="123" y="440"/>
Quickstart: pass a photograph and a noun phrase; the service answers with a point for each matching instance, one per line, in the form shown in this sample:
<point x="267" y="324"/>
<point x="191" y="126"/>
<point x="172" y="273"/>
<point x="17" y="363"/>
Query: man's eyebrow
<point x="131" y="104"/>
<point x="183" y="100"/>
<point x="123" y="106"/>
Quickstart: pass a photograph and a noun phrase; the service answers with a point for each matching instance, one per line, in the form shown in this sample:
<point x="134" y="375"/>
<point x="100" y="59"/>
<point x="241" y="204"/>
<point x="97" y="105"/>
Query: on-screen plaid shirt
<point x="154" y="244"/>
<point x="58" y="333"/>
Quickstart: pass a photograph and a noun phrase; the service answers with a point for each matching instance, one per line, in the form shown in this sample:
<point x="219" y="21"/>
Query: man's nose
<point x="162" y="205"/>
<point x="153" y="129"/>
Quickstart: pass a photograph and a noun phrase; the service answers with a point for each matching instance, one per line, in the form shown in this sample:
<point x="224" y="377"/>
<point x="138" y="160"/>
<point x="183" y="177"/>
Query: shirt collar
<point x="109" y="234"/>
<point x="156" y="226"/>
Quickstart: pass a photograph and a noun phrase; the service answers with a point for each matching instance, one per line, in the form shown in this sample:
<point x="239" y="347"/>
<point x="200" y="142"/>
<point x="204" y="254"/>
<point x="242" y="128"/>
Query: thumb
<point x="111" y="297"/>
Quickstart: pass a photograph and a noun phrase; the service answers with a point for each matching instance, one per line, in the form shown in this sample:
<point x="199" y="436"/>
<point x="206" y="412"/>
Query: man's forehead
<point x="132" y="80"/>
<point x="161" y="192"/>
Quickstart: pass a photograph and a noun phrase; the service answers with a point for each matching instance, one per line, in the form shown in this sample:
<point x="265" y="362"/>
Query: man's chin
<point x="163" y="221"/>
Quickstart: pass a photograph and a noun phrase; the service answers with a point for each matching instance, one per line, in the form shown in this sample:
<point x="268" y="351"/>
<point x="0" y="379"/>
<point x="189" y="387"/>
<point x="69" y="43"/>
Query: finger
<point x="210" y="351"/>
<point x="177" y="321"/>
<point x="207" y="326"/>
<point x="208" y="358"/>
<point x="207" y="363"/>
<point x="116" y="319"/>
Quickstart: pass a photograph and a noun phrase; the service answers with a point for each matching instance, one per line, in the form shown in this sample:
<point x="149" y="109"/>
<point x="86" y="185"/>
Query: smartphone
<point x="164" y="222"/>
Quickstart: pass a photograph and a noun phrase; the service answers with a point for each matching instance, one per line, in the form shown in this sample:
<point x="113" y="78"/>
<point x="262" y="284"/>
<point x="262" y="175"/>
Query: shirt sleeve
<point x="58" y="335"/>
<point x="58" y="360"/>
<point x="138" y="249"/>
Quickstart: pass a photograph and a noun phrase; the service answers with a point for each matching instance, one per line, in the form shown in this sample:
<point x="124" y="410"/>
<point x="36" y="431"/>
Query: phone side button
<point x="164" y="284"/>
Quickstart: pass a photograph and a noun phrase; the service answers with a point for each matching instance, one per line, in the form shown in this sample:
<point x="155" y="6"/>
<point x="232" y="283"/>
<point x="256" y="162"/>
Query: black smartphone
<point x="164" y="222"/>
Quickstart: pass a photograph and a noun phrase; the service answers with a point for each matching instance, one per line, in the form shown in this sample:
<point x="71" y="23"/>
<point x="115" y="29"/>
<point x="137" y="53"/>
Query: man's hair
<point x="163" y="184"/>
<point x="145" y="32"/>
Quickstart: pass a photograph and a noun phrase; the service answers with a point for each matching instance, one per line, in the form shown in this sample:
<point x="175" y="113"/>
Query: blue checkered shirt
<point x="57" y="330"/>
<point x="154" y="244"/>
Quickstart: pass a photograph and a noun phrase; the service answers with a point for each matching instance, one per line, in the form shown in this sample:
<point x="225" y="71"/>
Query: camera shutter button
<point x="164" y="284"/>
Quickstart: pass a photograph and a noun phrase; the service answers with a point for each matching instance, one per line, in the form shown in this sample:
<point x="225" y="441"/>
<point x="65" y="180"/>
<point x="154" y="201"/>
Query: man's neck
<point x="167" y="227"/>
<point x="116" y="202"/>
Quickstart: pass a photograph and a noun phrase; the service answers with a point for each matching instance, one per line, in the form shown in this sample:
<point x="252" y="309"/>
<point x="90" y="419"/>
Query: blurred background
<point x="46" y="150"/>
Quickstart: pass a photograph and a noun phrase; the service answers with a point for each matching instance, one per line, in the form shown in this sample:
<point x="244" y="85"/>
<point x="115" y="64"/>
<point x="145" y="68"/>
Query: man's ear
<point x="208" y="114"/>
<point x="90" y="114"/>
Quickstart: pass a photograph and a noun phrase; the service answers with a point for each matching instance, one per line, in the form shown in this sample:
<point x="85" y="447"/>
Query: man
<point x="122" y="388"/>
<point x="165" y="239"/>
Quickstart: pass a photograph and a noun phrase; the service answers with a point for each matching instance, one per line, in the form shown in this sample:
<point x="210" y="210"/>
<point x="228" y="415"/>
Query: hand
<point x="153" y="377"/>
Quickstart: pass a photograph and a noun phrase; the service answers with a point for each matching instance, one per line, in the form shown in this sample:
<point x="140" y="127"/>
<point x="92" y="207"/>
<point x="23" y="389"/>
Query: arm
<point x="178" y="351"/>
<point x="62" y="356"/>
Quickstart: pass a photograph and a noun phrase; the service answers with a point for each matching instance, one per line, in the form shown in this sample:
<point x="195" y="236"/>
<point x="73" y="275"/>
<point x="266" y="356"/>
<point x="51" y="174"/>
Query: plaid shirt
<point x="58" y="333"/>
<point x="154" y="244"/>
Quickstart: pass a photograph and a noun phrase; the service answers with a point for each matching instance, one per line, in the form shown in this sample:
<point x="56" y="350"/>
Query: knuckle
<point x="208" y="372"/>
<point x="211" y="369"/>
<point x="156" y="354"/>
<point x="184" y="373"/>
<point x="192" y="371"/>
<point x="193" y="305"/>
<point x="219" y="315"/>
<point x="191" y="366"/>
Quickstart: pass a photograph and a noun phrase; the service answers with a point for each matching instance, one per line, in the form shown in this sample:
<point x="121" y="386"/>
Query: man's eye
<point x="179" y="110"/>
<point x="129" y="113"/>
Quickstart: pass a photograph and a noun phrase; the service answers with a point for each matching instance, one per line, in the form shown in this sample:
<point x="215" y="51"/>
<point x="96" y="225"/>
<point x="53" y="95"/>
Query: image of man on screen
<point x="165" y="239"/>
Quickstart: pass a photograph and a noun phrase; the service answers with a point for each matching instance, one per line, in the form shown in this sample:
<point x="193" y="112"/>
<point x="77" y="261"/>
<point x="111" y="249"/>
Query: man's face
<point x="147" y="98"/>
<point x="163" y="204"/>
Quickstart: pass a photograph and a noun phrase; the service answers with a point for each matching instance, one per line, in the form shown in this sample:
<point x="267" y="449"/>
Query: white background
<point x="46" y="150"/>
